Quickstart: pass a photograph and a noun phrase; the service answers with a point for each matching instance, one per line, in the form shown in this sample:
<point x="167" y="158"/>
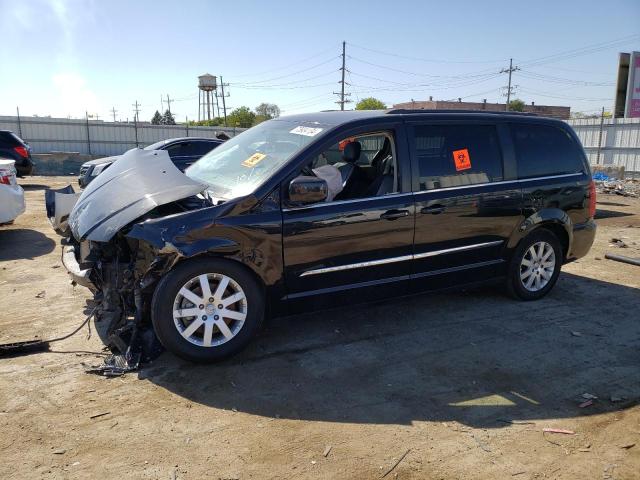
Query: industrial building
<point x="553" y="111"/>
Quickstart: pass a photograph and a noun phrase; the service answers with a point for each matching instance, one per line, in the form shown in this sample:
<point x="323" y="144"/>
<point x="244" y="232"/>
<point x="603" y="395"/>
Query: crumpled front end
<point x="122" y="271"/>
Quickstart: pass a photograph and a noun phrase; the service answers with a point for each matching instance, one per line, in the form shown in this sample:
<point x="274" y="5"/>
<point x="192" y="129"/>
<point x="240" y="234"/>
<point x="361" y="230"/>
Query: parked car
<point x="182" y="151"/>
<point x="11" y="194"/>
<point x="424" y="201"/>
<point x="13" y="147"/>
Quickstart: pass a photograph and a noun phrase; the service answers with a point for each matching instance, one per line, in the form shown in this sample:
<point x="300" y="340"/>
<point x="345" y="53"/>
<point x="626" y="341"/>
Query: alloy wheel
<point x="210" y="309"/>
<point x="537" y="266"/>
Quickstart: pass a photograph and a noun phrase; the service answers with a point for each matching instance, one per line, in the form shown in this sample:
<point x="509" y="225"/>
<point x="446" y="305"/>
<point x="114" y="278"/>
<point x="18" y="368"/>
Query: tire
<point x="212" y="333"/>
<point x="529" y="277"/>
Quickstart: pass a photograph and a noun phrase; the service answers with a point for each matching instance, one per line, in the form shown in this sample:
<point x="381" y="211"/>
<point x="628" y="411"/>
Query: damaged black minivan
<point x="314" y="210"/>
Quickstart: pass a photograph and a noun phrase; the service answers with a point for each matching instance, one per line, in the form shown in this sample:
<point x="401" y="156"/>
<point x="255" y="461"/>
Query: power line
<point x="282" y="88"/>
<point x="428" y="60"/>
<point x="565" y="97"/>
<point x="291" y="74"/>
<point x="566" y="81"/>
<point x="471" y="74"/>
<point x="283" y="67"/>
<point x="286" y="83"/>
<point x="580" y="51"/>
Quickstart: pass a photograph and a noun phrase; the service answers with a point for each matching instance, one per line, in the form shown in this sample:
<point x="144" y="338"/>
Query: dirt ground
<point x="451" y="386"/>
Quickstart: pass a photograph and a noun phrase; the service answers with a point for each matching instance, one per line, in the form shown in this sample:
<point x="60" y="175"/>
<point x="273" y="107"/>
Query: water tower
<point x="206" y="84"/>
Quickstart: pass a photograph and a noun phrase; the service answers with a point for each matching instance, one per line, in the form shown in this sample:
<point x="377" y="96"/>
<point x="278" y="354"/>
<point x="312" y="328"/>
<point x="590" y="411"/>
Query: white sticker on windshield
<point x="306" y="131"/>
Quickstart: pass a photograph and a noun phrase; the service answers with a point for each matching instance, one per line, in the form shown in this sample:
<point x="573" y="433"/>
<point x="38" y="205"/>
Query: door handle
<point x="394" y="214"/>
<point x="434" y="209"/>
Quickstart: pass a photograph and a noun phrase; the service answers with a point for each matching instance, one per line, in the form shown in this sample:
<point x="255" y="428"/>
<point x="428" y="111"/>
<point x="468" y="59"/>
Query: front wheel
<point x="535" y="266"/>
<point x="207" y="309"/>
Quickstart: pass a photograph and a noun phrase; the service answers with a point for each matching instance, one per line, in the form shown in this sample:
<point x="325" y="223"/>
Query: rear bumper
<point x="583" y="236"/>
<point x="11" y="202"/>
<point x="78" y="275"/>
<point x="24" y="167"/>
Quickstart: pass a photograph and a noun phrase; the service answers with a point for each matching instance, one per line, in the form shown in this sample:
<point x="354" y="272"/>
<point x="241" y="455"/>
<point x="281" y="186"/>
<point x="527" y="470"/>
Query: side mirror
<point x="304" y="190"/>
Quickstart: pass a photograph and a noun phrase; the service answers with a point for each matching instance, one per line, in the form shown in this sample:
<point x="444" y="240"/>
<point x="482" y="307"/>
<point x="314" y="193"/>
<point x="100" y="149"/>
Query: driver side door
<point x="352" y="248"/>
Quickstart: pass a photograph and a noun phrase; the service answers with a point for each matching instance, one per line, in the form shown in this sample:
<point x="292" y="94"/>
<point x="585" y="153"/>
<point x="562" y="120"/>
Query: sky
<point x="67" y="57"/>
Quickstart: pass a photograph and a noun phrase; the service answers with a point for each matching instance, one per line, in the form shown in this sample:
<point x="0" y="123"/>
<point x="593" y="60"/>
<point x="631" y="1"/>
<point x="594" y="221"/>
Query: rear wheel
<point x="535" y="266"/>
<point x="207" y="310"/>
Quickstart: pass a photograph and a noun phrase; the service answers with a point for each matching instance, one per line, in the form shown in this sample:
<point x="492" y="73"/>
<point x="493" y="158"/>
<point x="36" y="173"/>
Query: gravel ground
<point x="446" y="386"/>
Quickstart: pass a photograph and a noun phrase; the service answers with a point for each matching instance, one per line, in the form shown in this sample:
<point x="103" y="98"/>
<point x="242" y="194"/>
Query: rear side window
<point x="544" y="150"/>
<point x="455" y="155"/>
<point x="201" y="148"/>
<point x="190" y="149"/>
<point x="10" y="138"/>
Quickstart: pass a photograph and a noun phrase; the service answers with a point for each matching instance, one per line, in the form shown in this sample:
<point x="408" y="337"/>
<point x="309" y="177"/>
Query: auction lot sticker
<point x="306" y="131"/>
<point x="253" y="160"/>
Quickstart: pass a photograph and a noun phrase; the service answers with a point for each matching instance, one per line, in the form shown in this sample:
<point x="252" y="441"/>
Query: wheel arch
<point x="554" y="220"/>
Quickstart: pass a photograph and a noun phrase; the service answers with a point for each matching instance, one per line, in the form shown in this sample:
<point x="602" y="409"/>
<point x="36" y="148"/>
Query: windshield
<point x="240" y="165"/>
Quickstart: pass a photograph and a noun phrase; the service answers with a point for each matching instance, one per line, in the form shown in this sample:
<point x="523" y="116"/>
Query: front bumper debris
<point x="77" y="274"/>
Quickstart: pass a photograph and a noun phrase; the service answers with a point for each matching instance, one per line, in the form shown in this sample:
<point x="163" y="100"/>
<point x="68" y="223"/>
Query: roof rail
<point x="399" y="111"/>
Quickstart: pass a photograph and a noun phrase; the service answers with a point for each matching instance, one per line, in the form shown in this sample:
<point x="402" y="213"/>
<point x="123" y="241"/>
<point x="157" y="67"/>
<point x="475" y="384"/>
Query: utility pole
<point x="224" y="105"/>
<point x="136" y="110"/>
<point x="342" y="100"/>
<point x="19" y="122"/>
<point x="168" y="104"/>
<point x="161" y="104"/>
<point x="113" y="111"/>
<point x="510" y="70"/>
<point x="86" y="114"/>
<point x="135" y="120"/>
<point x="600" y="136"/>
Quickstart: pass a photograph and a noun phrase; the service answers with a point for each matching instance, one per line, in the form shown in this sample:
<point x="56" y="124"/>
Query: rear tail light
<point x="22" y="151"/>
<point x="5" y="177"/>
<point x="592" y="199"/>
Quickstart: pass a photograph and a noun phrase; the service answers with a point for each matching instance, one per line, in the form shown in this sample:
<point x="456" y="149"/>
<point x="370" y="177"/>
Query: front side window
<point x="544" y="150"/>
<point x="456" y="155"/>
<point x="359" y="166"/>
<point x="242" y="164"/>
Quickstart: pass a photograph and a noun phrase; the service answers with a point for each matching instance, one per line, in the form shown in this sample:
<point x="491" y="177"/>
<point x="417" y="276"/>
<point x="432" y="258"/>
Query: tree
<point x="241" y="117"/>
<point x="167" y="118"/>
<point x="370" y="103"/>
<point x="516" y="105"/>
<point x="157" y="118"/>
<point x="268" y="110"/>
<point x="214" y="122"/>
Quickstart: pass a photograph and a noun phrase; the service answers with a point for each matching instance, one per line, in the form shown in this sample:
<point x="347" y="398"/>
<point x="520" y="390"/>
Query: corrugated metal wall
<point x="619" y="145"/>
<point x="46" y="135"/>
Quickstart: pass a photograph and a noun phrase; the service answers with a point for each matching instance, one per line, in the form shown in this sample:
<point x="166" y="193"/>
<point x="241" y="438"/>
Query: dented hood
<point x="135" y="184"/>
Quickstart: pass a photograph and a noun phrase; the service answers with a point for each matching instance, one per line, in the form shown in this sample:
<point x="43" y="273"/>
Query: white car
<point x="11" y="194"/>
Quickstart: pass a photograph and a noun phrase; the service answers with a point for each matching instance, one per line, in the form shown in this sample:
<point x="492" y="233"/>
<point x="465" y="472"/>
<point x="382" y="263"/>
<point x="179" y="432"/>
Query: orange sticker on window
<point x="462" y="159"/>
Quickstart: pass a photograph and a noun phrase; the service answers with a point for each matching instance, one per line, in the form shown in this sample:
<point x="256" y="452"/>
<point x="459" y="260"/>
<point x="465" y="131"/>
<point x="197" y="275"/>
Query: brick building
<point x="542" y="110"/>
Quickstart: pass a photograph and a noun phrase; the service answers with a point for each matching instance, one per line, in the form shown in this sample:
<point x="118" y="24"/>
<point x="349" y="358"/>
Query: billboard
<point x="632" y="108"/>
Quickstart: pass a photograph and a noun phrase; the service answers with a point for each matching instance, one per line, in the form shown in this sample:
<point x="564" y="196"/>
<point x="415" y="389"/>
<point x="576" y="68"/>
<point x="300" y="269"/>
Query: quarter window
<point x="544" y="150"/>
<point x="455" y="155"/>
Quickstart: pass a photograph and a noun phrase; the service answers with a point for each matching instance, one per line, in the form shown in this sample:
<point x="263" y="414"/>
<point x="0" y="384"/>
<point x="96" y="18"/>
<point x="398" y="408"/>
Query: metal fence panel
<point x="617" y="140"/>
<point x="96" y="137"/>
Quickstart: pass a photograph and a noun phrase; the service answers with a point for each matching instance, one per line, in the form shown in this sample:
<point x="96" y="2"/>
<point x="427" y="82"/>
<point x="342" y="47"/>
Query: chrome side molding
<point x="402" y="258"/>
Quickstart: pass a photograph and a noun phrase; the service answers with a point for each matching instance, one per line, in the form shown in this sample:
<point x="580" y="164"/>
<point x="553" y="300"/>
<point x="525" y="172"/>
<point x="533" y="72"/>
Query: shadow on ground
<point x="600" y="213"/>
<point x="474" y="357"/>
<point x="17" y="243"/>
<point x="33" y="186"/>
